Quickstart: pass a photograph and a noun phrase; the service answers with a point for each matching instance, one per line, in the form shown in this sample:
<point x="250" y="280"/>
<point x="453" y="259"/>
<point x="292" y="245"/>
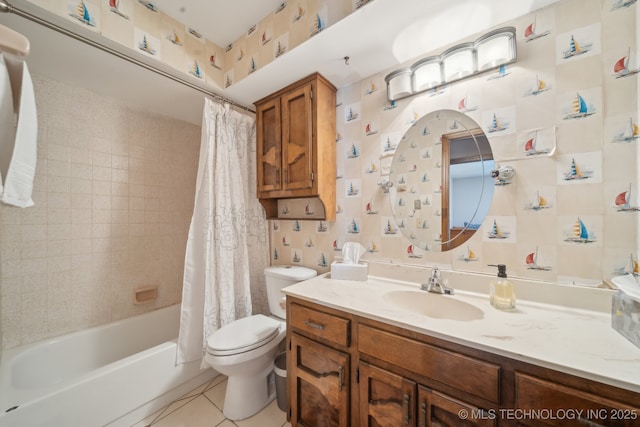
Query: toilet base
<point x="246" y="396"/>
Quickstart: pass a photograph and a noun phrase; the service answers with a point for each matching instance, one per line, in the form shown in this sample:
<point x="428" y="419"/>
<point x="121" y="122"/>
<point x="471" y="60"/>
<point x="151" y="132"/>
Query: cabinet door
<point x="268" y="144"/>
<point x="319" y="384"/>
<point x="572" y="407"/>
<point x="386" y="399"/>
<point x="297" y="138"/>
<point x="439" y="410"/>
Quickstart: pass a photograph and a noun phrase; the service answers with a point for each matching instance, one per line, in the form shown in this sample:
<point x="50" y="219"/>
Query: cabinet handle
<point x="277" y="175"/>
<point x="340" y="377"/>
<point x="286" y="176"/>
<point x="406" y="405"/>
<point x="314" y="325"/>
<point x="423" y="411"/>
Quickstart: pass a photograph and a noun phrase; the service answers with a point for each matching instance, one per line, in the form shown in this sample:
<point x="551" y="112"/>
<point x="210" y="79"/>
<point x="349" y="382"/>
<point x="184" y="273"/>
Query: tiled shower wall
<point x="113" y="195"/>
<point x="609" y="31"/>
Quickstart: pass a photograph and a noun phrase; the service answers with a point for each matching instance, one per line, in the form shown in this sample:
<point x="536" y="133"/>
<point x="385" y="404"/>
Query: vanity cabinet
<point x="348" y="370"/>
<point x="319" y="367"/>
<point x="409" y="402"/>
<point x="386" y="399"/>
<point x="295" y="145"/>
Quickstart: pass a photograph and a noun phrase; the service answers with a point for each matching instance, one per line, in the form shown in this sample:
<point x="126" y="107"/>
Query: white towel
<point x="7" y="122"/>
<point x="22" y="148"/>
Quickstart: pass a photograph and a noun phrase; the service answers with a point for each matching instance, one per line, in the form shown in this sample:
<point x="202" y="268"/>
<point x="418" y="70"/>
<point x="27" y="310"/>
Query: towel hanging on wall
<point x="18" y="121"/>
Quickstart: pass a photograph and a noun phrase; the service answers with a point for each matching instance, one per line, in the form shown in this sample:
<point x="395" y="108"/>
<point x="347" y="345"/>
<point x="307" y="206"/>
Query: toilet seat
<point x="243" y="335"/>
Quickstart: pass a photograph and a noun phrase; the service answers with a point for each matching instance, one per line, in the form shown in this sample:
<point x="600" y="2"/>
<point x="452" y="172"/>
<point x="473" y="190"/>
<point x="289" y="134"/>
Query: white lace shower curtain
<point x="227" y="248"/>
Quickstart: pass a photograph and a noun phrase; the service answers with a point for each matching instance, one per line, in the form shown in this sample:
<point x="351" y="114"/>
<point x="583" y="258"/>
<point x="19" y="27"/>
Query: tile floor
<point x="202" y="407"/>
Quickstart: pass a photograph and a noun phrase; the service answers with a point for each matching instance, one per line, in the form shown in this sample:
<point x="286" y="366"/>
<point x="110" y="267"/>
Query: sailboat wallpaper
<point x="352" y="188"/>
<point x="577" y="170"/>
<point x="623" y="67"/>
<point x="538" y="86"/>
<point x="413" y="252"/>
<point x="538" y="203"/>
<point x="538" y="142"/>
<point x="629" y="132"/>
<point x="623" y="201"/>
<point x="533" y="31"/>
<point x="464" y="106"/>
<point x="389" y="227"/>
<point x="581" y="106"/>
<point x="319" y="22"/>
<point x="83" y="12"/>
<point x="113" y="7"/>
<point x="628" y="266"/>
<point x="538" y="224"/>
<point x="496" y="232"/>
<point x="534" y="261"/>
<point x="389" y="142"/>
<point x="578" y="43"/>
<point x="500" y="121"/>
<point x="622" y="4"/>
<point x="352" y="112"/>
<point x="468" y="255"/>
<point x="578" y="232"/>
<point x="147" y="44"/>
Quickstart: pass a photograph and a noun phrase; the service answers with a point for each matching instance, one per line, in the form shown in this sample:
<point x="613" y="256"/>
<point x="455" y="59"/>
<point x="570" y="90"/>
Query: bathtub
<point x="114" y="374"/>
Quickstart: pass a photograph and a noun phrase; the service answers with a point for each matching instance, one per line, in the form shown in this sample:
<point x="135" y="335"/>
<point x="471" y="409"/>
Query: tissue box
<point x="625" y="312"/>
<point x="342" y="271"/>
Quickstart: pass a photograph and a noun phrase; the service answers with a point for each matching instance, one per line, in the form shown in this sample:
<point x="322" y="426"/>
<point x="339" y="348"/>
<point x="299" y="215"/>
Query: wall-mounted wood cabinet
<point x="296" y="145"/>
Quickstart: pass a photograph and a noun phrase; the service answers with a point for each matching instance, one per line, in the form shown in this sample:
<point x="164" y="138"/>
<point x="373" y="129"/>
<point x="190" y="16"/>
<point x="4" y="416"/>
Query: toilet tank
<point x="281" y="276"/>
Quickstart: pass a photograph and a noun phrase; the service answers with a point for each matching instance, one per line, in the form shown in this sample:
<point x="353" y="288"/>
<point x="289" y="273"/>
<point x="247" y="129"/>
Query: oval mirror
<point x="442" y="185"/>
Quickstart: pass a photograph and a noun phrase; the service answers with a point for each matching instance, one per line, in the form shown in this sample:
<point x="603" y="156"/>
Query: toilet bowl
<point x="245" y="349"/>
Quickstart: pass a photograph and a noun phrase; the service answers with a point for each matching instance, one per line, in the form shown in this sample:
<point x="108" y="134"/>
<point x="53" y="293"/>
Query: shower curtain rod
<point x="6" y="7"/>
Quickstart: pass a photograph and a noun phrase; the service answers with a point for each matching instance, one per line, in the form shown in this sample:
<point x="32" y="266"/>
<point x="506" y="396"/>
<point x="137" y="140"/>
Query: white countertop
<point x="572" y="340"/>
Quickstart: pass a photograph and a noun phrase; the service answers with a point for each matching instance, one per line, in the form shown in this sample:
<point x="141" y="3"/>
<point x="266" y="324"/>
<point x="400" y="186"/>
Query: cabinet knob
<point x="340" y="377"/>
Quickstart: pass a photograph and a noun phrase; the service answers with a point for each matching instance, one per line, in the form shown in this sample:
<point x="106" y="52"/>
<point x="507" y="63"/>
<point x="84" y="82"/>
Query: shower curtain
<point x="227" y="247"/>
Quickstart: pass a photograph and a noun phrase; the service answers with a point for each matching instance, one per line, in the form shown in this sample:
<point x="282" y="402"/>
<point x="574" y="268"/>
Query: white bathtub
<point x="114" y="374"/>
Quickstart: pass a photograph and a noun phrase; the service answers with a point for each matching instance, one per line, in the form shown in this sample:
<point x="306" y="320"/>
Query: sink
<point x="434" y="305"/>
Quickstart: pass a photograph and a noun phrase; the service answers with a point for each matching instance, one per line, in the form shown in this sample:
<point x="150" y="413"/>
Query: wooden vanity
<point x="345" y="369"/>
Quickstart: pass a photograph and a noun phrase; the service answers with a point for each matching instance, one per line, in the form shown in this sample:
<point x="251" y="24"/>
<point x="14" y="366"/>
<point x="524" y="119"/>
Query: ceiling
<point x="378" y="37"/>
<point x="221" y="21"/>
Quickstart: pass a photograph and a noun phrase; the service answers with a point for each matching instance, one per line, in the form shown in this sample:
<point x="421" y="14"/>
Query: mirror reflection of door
<point x="463" y="162"/>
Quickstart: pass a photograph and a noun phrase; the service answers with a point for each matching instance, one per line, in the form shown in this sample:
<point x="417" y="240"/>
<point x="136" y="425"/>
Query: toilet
<point x="245" y="349"/>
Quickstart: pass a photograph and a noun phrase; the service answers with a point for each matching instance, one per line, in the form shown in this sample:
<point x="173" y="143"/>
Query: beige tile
<point x="271" y="416"/>
<point x="227" y="423"/>
<point x="199" y="412"/>
<point x="166" y="411"/>
<point x="216" y="394"/>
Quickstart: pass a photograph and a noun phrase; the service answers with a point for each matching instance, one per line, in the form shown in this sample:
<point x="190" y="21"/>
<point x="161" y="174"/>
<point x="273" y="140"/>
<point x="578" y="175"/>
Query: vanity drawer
<point x="473" y="376"/>
<point x="537" y="394"/>
<point x="319" y="324"/>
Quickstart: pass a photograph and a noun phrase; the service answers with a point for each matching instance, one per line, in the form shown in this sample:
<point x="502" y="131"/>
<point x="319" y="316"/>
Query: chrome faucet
<point x="435" y="284"/>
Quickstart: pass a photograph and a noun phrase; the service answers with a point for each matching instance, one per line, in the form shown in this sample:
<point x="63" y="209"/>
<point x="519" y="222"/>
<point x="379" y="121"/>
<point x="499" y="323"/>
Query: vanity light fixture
<point x="426" y="74"/>
<point x="399" y="84"/>
<point x="490" y="51"/>
<point x="495" y="48"/>
<point x="458" y="62"/>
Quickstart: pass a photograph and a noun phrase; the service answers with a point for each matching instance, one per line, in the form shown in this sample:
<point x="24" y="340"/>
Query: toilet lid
<point x="243" y="335"/>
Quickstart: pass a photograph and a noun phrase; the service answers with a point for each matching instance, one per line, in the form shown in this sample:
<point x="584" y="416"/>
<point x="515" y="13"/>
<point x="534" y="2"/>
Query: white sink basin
<point x="434" y="305"/>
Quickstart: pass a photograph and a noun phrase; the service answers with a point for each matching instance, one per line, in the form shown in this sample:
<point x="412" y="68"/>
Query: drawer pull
<point x="340" y="377"/>
<point x="423" y="410"/>
<point x="406" y="404"/>
<point x="314" y="325"/>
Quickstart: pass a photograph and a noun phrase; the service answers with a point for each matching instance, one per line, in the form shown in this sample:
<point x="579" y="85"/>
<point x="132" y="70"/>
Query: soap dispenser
<point x="502" y="294"/>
